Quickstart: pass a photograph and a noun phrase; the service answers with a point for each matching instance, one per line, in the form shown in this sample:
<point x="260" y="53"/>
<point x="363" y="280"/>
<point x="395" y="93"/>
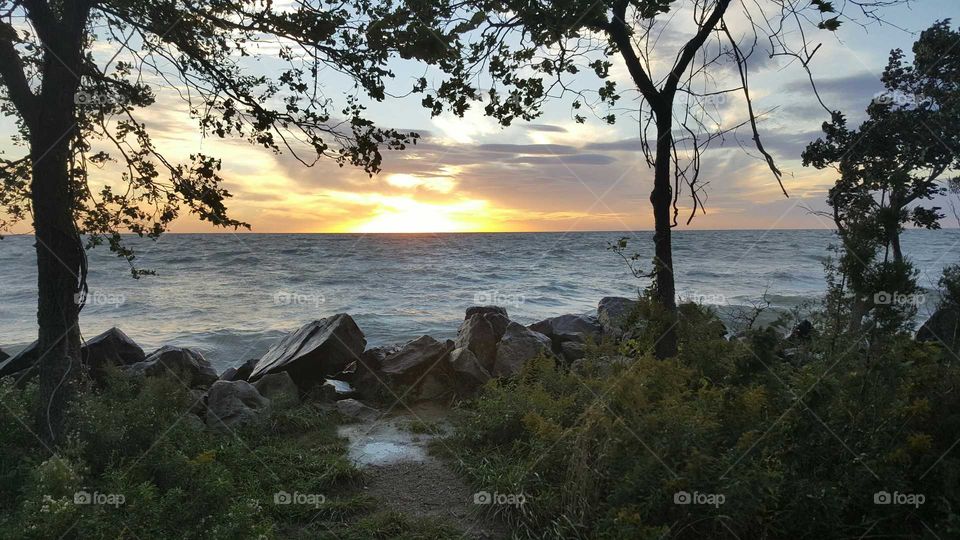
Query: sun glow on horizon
<point x="405" y="215"/>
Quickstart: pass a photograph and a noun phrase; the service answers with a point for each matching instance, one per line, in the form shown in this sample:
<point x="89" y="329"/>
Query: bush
<point x="763" y="448"/>
<point x="139" y="451"/>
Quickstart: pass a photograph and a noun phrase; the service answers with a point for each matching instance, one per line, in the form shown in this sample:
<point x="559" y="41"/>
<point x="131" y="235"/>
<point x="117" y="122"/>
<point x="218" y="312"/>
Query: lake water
<point x="232" y="296"/>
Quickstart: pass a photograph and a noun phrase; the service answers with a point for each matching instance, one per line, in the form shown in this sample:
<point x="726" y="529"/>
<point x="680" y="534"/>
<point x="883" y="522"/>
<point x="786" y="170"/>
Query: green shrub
<point x="139" y="440"/>
<point x="796" y="451"/>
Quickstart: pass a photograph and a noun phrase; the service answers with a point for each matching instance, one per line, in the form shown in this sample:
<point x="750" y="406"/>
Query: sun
<point x="406" y="215"/>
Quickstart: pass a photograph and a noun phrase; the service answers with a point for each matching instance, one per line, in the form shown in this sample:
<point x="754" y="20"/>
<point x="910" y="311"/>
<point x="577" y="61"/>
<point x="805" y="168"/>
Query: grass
<point x="135" y="440"/>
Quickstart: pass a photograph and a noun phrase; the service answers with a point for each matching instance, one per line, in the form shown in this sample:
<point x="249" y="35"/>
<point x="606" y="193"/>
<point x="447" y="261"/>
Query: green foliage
<point x="204" y="55"/>
<point x="890" y="167"/>
<point x="139" y="440"/>
<point x="797" y="450"/>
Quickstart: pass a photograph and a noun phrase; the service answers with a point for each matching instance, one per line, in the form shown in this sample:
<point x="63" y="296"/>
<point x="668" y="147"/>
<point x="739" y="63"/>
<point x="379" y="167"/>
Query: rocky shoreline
<point x="327" y="361"/>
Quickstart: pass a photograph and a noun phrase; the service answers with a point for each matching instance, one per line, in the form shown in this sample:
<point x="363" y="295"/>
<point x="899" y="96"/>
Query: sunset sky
<point x="552" y="174"/>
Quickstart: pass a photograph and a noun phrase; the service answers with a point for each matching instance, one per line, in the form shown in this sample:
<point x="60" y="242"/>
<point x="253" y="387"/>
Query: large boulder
<point x="414" y="359"/>
<point x="613" y="314"/>
<point x="481" y="331"/>
<point x="186" y="365"/>
<point x="572" y="350"/>
<point x="314" y="352"/>
<point x="578" y="328"/>
<point x="278" y="388"/>
<point x="23" y="364"/>
<point x="483" y="310"/>
<point x="466" y="371"/>
<point x="518" y="345"/>
<point x="111" y="348"/>
<point x="3" y="355"/>
<point x="364" y="373"/>
<point x="241" y="372"/>
<point x="942" y="327"/>
<point x="231" y="404"/>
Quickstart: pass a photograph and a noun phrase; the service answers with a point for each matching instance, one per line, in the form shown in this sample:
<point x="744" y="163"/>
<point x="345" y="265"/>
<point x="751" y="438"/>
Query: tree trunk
<point x="60" y="257"/>
<point x="661" y="198"/>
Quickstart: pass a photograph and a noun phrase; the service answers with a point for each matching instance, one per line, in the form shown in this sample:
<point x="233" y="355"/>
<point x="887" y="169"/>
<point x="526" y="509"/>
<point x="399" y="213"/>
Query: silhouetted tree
<point x="679" y="55"/>
<point x="890" y="168"/>
<point x="76" y="73"/>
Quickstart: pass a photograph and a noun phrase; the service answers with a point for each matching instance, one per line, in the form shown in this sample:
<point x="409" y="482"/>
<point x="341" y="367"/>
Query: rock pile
<point x="327" y="361"/>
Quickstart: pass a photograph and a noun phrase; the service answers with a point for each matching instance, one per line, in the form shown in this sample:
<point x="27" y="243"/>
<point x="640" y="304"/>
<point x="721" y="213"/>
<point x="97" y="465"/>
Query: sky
<point x="552" y="174"/>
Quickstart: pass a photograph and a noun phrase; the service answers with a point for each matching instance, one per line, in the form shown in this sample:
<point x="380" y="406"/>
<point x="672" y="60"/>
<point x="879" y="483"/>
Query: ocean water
<point x="233" y="295"/>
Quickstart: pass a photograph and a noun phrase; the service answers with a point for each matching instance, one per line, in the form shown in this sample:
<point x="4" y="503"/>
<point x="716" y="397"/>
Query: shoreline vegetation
<point x="564" y="428"/>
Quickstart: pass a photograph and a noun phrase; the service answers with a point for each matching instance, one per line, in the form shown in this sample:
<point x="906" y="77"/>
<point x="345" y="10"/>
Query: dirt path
<point x="406" y="478"/>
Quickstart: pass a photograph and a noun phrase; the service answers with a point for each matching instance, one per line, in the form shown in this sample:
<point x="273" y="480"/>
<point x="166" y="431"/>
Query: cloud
<point x="545" y="127"/>
<point x="575" y="159"/>
<point x="528" y="149"/>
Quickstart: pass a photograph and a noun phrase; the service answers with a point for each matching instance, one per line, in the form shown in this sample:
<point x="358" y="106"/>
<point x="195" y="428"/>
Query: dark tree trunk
<point x="60" y="257"/>
<point x="661" y="198"/>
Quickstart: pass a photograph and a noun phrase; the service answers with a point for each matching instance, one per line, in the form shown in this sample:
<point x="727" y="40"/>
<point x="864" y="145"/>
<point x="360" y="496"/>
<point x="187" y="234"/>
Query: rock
<point x="434" y="386"/>
<point x="334" y="390"/>
<point x="613" y="314"/>
<point x="569" y="328"/>
<point x="241" y="372"/>
<point x="466" y="370"/>
<point x="111" y="348"/>
<point x="364" y="374"/>
<point x="942" y="327"/>
<point x="278" y="388"/>
<point x="186" y="365"/>
<point x="314" y="352"/>
<point x="3" y="355"/>
<point x="483" y="310"/>
<point x="23" y="364"/>
<point x="352" y="408"/>
<point x="480" y="333"/>
<point x="572" y="350"/>
<point x="231" y="404"/>
<point x="518" y="345"/>
<point x="414" y="359"/>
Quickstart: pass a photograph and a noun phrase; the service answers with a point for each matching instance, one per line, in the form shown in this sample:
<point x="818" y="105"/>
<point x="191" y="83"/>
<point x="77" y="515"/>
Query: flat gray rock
<point x="414" y="359"/>
<point x="317" y="350"/>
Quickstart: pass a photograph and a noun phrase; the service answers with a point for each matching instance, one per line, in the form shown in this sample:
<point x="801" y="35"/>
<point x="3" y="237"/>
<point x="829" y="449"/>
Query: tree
<point x="78" y="109"/>
<point x="530" y="52"/>
<point x="890" y="168"/>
